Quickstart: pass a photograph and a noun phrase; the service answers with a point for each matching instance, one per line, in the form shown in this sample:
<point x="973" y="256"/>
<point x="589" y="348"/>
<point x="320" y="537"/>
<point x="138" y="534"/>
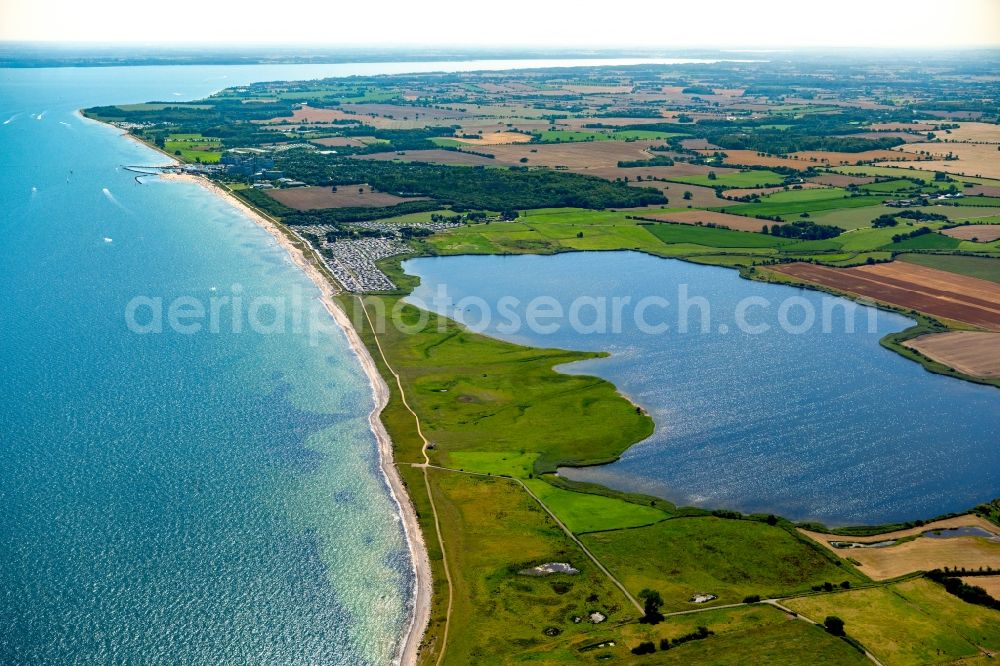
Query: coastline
<point x="420" y="613"/>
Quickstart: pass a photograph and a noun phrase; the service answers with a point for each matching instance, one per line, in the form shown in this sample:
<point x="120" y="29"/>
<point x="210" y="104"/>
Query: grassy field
<point x="927" y="177"/>
<point x="194" y="148"/>
<point x="915" y="622"/>
<point x="789" y="643"/>
<point x="728" y="558"/>
<point x="493" y="529"/>
<point x="567" y="136"/>
<point x="475" y="393"/>
<point x="590" y="513"/>
<point x="978" y="267"/>
<point x="752" y="634"/>
<point x="793" y="207"/>
<point x="752" y="178"/>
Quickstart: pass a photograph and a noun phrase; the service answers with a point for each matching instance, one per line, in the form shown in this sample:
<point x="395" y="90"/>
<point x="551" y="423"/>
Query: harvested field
<point x="574" y="156"/>
<point x="822" y="156"/>
<point x="497" y="138"/>
<point x="753" y="158"/>
<point x="340" y="142"/>
<point x="651" y="172"/>
<point x="965" y="520"/>
<point x="924" y="554"/>
<point x="764" y="191"/>
<point x="974" y="159"/>
<point x="453" y="157"/>
<point x="975" y="353"/>
<point x="580" y="124"/>
<point x="983" y="190"/>
<point x="346" y="196"/>
<point x="908" y="137"/>
<point x="701" y="197"/>
<point x="974" y="132"/>
<point x="401" y="112"/>
<point x="806" y="159"/>
<point x="307" y="114"/>
<point x="737" y="222"/>
<point x="984" y="233"/>
<point x="913" y="287"/>
<point x="989" y="583"/>
<point x="597" y="90"/>
<point x="903" y="127"/>
<point x="921" y="553"/>
<point x="841" y="179"/>
<point x="699" y="144"/>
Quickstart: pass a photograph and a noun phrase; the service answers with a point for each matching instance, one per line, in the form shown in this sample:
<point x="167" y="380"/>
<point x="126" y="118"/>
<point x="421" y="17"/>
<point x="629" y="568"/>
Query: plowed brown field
<point x="937" y="293"/>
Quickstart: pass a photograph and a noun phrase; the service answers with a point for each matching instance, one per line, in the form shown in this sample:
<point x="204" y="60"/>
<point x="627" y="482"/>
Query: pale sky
<point x="662" y="24"/>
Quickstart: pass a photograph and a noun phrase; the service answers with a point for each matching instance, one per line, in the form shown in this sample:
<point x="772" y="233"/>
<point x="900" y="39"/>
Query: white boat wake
<point x="110" y="197"/>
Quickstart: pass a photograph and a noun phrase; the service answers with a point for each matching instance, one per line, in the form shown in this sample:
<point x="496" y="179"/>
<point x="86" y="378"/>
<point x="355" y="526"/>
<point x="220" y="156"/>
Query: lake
<point x="809" y="422"/>
<point x="204" y="497"/>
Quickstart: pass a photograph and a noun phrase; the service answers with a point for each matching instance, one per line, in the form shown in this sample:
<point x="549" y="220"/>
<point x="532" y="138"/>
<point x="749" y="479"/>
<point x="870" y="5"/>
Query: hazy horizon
<point x="727" y="24"/>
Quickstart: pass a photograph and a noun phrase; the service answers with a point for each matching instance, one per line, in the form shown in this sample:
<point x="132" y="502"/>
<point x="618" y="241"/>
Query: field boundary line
<point x="561" y="525"/>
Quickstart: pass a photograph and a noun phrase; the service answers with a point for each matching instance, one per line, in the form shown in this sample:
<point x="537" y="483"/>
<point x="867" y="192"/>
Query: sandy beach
<point x="420" y="616"/>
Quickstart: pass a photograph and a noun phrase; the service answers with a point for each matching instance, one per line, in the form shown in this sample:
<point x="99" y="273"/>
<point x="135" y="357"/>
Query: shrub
<point x="834" y="625"/>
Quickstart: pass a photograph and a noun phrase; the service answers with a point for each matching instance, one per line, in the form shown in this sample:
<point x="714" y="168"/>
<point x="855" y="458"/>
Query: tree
<point x="834" y="625"/>
<point x="687" y="195"/>
<point x="711" y="175"/>
<point x="652" y="602"/>
<point x="644" y="648"/>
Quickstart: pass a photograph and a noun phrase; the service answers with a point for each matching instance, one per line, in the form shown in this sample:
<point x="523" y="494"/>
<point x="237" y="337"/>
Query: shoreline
<point x="420" y="613"/>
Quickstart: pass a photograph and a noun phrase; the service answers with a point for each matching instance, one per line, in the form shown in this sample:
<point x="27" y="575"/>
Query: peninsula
<point x="874" y="181"/>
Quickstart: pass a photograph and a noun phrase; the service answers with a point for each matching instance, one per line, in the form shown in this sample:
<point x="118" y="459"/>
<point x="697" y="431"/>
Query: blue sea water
<point x="171" y="498"/>
<point x="807" y="423"/>
<point x="165" y="498"/>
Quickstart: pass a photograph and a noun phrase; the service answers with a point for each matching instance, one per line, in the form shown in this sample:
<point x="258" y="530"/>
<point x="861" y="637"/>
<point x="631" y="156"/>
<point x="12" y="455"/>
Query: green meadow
<point x="193" y="148"/>
<point x="751" y="178"/>
<point x="731" y="559"/>
<point x="915" y="622"/>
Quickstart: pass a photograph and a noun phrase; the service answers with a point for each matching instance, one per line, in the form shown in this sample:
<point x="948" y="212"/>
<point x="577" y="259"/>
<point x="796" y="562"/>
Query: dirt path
<point x="306" y="258"/>
<point x="561" y="525"/>
<point x="427" y="483"/>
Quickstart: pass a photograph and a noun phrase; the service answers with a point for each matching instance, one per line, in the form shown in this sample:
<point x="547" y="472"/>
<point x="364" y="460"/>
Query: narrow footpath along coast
<point x="310" y="265"/>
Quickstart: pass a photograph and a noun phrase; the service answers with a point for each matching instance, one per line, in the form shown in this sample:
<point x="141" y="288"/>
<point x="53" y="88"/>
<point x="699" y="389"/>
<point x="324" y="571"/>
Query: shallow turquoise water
<point x="171" y="498"/>
<point x="818" y="424"/>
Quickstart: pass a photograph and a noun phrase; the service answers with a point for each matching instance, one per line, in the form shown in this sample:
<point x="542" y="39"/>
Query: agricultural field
<point x="358" y="195"/>
<point x="495" y="606"/>
<point x="753" y="178"/>
<point x="625" y="158"/>
<point x="907" y="551"/>
<point x="975" y="353"/>
<point x="737" y="222"/>
<point x="731" y="559"/>
<point x="912" y="287"/>
<point x="193" y="148"/>
<point x="982" y="233"/>
<point x="914" y="622"/>
<point x="576" y="155"/>
<point x="983" y="268"/>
